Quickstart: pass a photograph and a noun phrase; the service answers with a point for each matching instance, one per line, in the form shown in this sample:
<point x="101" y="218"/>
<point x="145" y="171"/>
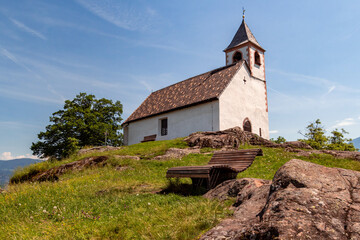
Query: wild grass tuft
<point x="126" y="199"/>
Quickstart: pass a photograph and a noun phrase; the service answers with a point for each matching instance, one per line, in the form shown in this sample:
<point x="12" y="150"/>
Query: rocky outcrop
<point x="251" y="196"/>
<point x="173" y="153"/>
<point x="295" y="144"/>
<point x="232" y="188"/>
<point x="126" y="157"/>
<point x="336" y="154"/>
<point x="54" y="173"/>
<point x="97" y="149"/>
<point x="234" y="137"/>
<point x="304" y="201"/>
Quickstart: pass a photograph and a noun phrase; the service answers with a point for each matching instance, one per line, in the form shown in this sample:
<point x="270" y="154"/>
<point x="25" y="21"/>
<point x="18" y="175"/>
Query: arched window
<point x="247" y="125"/>
<point x="257" y="58"/>
<point x="237" y="56"/>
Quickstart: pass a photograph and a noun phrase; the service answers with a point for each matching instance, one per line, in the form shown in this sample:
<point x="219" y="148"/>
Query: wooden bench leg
<point x="218" y="176"/>
<point x="200" y="182"/>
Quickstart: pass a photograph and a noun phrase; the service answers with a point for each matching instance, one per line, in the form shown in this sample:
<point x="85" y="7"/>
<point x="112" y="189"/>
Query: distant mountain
<point x="356" y="143"/>
<point x="7" y="167"/>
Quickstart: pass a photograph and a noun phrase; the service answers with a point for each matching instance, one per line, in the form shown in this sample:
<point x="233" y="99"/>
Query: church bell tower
<point x="244" y="46"/>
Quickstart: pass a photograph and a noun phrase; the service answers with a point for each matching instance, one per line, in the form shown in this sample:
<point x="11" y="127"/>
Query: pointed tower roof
<point x="243" y="35"/>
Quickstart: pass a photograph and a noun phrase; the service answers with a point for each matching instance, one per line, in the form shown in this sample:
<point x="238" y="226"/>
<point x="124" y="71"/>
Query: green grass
<point x="105" y="203"/>
<point x="146" y="150"/>
<point x="266" y="166"/>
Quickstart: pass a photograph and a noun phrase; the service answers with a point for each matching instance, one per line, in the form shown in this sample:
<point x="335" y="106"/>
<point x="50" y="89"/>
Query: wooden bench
<point x="224" y="165"/>
<point x="149" y="138"/>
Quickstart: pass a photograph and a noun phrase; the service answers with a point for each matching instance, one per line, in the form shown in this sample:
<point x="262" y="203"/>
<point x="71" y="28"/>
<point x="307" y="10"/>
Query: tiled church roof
<point x="205" y="87"/>
<point x="242" y="35"/>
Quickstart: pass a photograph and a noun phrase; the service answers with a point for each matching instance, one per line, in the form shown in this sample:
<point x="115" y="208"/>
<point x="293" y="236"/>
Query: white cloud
<point x="121" y="13"/>
<point x="9" y="156"/>
<point x="15" y="60"/>
<point x="155" y="82"/>
<point x="345" y="122"/>
<point x="147" y="86"/>
<point x="28" y="97"/>
<point x="27" y="29"/>
<point x="20" y="63"/>
<point x="273" y="131"/>
<point x="8" y="55"/>
<point x="142" y="43"/>
<point x="315" y="81"/>
<point x="331" y="89"/>
<point x="6" y="156"/>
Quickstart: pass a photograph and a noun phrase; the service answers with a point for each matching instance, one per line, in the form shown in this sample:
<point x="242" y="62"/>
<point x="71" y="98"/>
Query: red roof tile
<point x="202" y="88"/>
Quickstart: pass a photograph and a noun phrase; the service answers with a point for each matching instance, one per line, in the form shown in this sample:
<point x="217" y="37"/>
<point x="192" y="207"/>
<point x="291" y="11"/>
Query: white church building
<point x="233" y="95"/>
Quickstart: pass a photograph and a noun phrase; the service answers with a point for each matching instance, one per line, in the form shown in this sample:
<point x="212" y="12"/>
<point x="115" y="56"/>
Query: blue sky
<point x="122" y="50"/>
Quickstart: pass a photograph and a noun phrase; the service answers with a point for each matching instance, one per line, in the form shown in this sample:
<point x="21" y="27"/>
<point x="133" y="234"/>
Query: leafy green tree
<point x="338" y="142"/>
<point x="279" y="140"/>
<point x="315" y="135"/>
<point x="84" y="121"/>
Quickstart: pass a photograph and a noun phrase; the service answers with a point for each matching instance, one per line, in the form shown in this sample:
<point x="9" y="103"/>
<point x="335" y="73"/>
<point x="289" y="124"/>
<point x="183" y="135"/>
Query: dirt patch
<point x="172" y="153"/>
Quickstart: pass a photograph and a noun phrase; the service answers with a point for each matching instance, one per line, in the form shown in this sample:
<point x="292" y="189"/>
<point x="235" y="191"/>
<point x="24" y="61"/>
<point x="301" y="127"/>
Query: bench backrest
<point x="236" y="159"/>
<point x="149" y="138"/>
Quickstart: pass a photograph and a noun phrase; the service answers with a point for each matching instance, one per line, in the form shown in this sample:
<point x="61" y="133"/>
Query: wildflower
<point x="149" y="203"/>
<point x="55" y="207"/>
<point x="19" y="204"/>
<point x="44" y="211"/>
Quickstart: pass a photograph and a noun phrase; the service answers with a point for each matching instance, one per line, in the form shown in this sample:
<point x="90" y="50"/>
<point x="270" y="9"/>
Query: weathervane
<point x="243" y="13"/>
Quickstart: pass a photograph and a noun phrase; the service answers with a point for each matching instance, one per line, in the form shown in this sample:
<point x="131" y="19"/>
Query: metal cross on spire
<point x="243" y="13"/>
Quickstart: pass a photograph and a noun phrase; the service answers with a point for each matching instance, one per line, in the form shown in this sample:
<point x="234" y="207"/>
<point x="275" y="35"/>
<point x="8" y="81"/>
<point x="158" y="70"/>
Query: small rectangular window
<point x="260" y="131"/>
<point x="164" y="126"/>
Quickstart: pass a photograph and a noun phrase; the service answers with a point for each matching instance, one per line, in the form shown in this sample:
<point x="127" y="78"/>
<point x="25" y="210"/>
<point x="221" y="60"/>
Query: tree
<point x="279" y="140"/>
<point x="84" y="121"/>
<point x="315" y="137"/>
<point x="338" y="142"/>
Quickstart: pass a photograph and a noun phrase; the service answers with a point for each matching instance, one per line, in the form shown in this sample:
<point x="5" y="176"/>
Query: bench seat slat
<point x="224" y="162"/>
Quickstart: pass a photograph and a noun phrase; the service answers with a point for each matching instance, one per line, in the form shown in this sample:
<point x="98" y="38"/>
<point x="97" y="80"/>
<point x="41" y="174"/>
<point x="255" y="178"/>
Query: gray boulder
<point x="304" y="201"/>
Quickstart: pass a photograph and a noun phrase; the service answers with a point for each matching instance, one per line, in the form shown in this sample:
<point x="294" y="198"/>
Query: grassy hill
<point x="8" y="167"/>
<point x="123" y="199"/>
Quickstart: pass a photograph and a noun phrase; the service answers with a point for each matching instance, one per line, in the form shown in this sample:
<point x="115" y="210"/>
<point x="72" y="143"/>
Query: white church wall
<point x="181" y="123"/>
<point x="242" y="100"/>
